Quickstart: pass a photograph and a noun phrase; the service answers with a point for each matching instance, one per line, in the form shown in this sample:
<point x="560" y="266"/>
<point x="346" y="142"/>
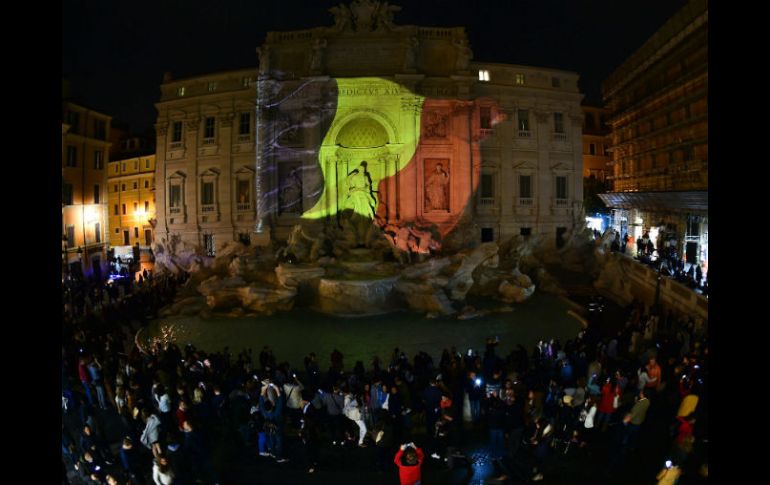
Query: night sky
<point x="114" y="53"/>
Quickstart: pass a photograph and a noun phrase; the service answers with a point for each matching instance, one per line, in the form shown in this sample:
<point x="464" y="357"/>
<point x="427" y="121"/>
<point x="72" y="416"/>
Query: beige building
<point x="85" y="154"/>
<point x="443" y="141"/>
<point x="658" y="100"/>
<point x="131" y="202"/>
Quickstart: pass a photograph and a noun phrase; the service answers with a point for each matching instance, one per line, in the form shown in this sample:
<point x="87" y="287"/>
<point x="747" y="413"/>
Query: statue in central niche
<point x="360" y="201"/>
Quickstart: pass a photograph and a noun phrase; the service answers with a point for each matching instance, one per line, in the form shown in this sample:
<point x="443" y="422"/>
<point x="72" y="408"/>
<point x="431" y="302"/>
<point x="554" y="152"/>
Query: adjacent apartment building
<point x="658" y="100"/>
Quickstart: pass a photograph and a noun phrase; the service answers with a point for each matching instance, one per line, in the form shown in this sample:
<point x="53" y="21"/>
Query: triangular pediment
<point x="525" y="165"/>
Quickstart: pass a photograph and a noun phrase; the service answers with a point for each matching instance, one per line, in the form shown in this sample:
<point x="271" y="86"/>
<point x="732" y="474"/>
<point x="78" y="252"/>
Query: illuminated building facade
<point x="131" y="202"/>
<point x="369" y="119"/>
<point x="658" y="100"/>
<point x="596" y="142"/>
<point x="85" y="154"/>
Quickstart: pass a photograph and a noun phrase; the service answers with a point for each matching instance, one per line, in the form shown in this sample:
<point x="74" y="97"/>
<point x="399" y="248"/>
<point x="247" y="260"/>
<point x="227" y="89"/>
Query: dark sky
<point x="114" y="53"/>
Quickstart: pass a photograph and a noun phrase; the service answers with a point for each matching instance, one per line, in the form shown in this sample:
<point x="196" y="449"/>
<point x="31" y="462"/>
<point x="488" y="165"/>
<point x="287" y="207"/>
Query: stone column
<point x="160" y="180"/>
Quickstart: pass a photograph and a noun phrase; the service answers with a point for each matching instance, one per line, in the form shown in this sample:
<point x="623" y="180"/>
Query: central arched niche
<point x="362" y="132"/>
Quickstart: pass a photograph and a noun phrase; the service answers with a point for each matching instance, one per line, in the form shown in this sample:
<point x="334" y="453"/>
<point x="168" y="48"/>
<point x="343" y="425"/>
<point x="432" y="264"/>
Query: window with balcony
<point x="244" y="127"/>
<point x="561" y="190"/>
<point x="523" y="116"/>
<point x="180" y="91"/>
<point x="207" y="196"/>
<point x="175" y="198"/>
<point x="483" y="75"/>
<point x="519" y="79"/>
<point x="124" y="208"/>
<point x="176" y="133"/>
<point x="212" y="87"/>
<point x="558" y="123"/>
<point x="208" y="243"/>
<point x="487" y="189"/>
<point x="243" y="194"/>
<point x="208" y="130"/>
<point x="525" y="190"/>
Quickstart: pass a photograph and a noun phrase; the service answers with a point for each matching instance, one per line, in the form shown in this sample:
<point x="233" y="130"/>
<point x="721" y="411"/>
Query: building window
<point x="66" y="194"/>
<point x="117" y="229"/>
<point x="115" y="188"/>
<point x="208" y="243"/>
<point x="117" y="212"/>
<point x="487" y="186"/>
<point x="555" y="82"/>
<point x="246" y="82"/>
<point x="98" y="160"/>
<point x="146" y="206"/>
<point x="520" y="79"/>
<point x="483" y="75"/>
<point x="525" y="231"/>
<point x="244" y="192"/>
<point x="73" y="119"/>
<point x="485" y="116"/>
<point x="592" y="148"/>
<point x="100" y="129"/>
<point x="523" y="120"/>
<point x="487" y="234"/>
<point x="98" y="232"/>
<point x="70" y="236"/>
<point x="175" y="196"/>
<point x="176" y="132"/>
<point x="136" y="232"/>
<point x="136" y="205"/>
<point x="207" y="193"/>
<point x="244" y="238"/>
<point x="124" y="209"/>
<point x="561" y="187"/>
<point x="146" y="184"/>
<point x="147" y="163"/>
<point x="136" y="164"/>
<point x="123" y="167"/>
<point x="245" y="124"/>
<point x="208" y="131"/>
<point x="136" y="185"/>
<point x="96" y="194"/>
<point x="72" y="156"/>
<point x="558" y="123"/>
<point x="180" y="91"/>
<point x="525" y="186"/>
<point x="212" y="87"/>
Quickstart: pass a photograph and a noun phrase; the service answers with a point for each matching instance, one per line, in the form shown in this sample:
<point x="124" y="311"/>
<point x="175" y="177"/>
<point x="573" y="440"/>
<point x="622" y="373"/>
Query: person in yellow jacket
<point x="669" y="474"/>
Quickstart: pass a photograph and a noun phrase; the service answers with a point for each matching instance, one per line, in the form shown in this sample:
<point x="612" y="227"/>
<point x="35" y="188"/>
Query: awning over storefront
<point x="695" y="201"/>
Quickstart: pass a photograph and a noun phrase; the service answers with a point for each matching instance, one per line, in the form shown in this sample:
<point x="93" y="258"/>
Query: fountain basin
<point x="358" y="296"/>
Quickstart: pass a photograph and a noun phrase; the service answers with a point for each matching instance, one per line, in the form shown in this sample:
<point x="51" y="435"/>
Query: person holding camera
<point x="409" y="460"/>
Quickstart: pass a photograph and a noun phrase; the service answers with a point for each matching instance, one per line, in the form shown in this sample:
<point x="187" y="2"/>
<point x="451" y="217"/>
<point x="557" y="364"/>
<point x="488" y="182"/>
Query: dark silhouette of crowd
<point x="591" y="397"/>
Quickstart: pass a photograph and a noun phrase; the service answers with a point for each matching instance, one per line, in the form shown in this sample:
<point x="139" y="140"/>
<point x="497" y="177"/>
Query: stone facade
<point x="596" y="142"/>
<point x="246" y="155"/>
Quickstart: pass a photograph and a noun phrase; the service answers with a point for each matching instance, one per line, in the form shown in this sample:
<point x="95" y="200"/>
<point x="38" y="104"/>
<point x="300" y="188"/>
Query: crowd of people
<point x="665" y="260"/>
<point x="536" y="407"/>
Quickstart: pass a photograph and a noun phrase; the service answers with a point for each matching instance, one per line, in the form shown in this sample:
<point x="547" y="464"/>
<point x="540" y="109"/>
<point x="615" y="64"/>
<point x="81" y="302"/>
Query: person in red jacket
<point x="607" y="403"/>
<point x="409" y="460"/>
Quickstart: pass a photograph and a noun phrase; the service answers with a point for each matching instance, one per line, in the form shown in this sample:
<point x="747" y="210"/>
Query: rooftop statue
<point x="367" y="15"/>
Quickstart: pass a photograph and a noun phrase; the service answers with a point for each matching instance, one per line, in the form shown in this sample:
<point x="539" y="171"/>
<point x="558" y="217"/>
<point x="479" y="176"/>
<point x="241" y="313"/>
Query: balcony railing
<point x="175" y="146"/>
<point x="208" y="208"/>
<point x="487" y="201"/>
<point x="209" y="141"/>
<point x="525" y="134"/>
<point x="559" y="137"/>
<point x="562" y="202"/>
<point x="242" y="207"/>
<point x="526" y="201"/>
<point x="244" y="138"/>
<point x="174" y="210"/>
